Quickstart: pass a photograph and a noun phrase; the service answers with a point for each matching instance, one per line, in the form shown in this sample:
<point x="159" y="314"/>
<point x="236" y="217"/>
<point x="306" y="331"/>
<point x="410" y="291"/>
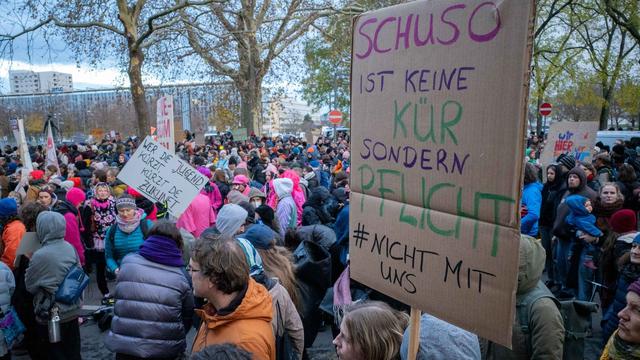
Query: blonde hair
<point x="376" y="329"/>
<point x="619" y="195"/>
<point x="278" y="262"/>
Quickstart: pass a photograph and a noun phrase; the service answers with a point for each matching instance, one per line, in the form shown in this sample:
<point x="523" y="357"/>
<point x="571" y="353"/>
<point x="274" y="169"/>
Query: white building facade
<point x="30" y="82"/>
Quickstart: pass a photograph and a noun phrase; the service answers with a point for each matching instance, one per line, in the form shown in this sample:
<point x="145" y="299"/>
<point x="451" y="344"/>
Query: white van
<point x="327" y="131"/>
<point x="610" y="138"/>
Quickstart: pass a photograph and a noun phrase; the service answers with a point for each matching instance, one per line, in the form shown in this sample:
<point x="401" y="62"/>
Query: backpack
<point x="576" y="317"/>
<point x="111" y="233"/>
<point x="284" y="344"/>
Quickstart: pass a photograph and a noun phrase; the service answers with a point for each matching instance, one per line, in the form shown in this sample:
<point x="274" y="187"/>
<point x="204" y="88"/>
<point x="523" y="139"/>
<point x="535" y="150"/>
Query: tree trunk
<point x="250" y="105"/>
<point x="136" y="58"/>
<point x="607" y="92"/>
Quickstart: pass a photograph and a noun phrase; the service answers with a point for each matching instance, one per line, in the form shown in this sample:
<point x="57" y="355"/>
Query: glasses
<point x="192" y="270"/>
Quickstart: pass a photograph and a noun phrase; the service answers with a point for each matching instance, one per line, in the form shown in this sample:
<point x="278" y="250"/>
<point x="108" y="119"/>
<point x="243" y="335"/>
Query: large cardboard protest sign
<point x="571" y="138"/>
<point x="162" y="177"/>
<point x="438" y="98"/>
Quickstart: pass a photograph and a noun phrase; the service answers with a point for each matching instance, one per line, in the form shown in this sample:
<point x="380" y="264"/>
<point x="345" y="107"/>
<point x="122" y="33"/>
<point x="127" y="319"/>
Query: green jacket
<point x="546" y="328"/>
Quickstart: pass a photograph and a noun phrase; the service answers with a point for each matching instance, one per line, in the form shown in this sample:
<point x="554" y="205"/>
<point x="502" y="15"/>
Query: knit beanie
<point x="125" y="202"/>
<point x="623" y="221"/>
<point x="635" y="287"/>
<point x="80" y="165"/>
<point x="230" y="218"/>
<point x="251" y="212"/>
<point x="567" y="160"/>
<point x="204" y="171"/>
<point x="77" y="182"/>
<point x="8" y="207"/>
<point x="75" y="196"/>
<point x="37" y="174"/>
<point x="266" y="213"/>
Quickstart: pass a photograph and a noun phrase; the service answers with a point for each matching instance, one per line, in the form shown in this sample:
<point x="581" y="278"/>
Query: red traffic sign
<point x="545" y="109"/>
<point x="335" y="116"/>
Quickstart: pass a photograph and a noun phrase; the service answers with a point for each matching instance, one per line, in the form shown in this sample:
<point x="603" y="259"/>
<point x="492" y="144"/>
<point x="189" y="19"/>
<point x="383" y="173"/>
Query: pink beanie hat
<point x="75" y="196"/>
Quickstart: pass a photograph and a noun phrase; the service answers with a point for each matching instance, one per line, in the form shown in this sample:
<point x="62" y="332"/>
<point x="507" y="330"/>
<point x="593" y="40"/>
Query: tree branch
<point x="178" y="6"/>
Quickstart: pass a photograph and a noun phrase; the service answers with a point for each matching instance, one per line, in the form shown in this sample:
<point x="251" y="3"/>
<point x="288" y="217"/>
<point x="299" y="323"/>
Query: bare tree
<point x="101" y="29"/>
<point x="241" y="40"/>
<point x="606" y="46"/>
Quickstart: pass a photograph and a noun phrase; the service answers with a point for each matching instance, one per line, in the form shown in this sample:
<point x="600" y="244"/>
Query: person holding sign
<point x="127" y="234"/>
<point x="371" y="331"/>
<point x="544" y="336"/>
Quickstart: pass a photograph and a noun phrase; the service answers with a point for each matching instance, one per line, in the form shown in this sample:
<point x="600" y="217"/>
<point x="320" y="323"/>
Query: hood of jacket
<point x="576" y="204"/>
<point x="557" y="181"/>
<point x="283" y="187"/>
<point x="583" y="179"/>
<point x="63" y="207"/>
<point x="319" y="234"/>
<point x="255" y="305"/>
<point x="532" y="257"/>
<point x="254" y="192"/>
<point x="318" y="197"/>
<point x="50" y="226"/>
<point x="230" y="218"/>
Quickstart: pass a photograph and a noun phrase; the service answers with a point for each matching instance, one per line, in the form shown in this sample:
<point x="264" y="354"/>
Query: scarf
<point x="101" y="203"/>
<point x="129" y="226"/>
<point x="162" y="250"/>
<point x="620" y="349"/>
<point x="601" y="210"/>
<point x="631" y="272"/>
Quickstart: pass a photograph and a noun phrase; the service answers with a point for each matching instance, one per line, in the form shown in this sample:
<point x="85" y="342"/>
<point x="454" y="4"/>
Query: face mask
<point x="257" y="203"/>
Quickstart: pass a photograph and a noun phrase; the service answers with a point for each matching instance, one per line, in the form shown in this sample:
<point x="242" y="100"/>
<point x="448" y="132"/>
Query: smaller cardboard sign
<point x="571" y="138"/>
<point x="28" y="245"/>
<point x="239" y="134"/>
<point x="164" y="118"/>
<point x="162" y="177"/>
<point x="97" y="133"/>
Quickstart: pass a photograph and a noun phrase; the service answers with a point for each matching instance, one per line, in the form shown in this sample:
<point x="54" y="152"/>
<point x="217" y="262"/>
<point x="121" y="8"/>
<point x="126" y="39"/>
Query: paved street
<point x="93" y="346"/>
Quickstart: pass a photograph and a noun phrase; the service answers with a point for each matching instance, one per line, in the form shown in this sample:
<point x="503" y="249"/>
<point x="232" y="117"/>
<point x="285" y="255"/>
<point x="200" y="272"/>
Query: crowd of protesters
<point x="251" y="263"/>
<point x="258" y="261"/>
<point x="585" y="215"/>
